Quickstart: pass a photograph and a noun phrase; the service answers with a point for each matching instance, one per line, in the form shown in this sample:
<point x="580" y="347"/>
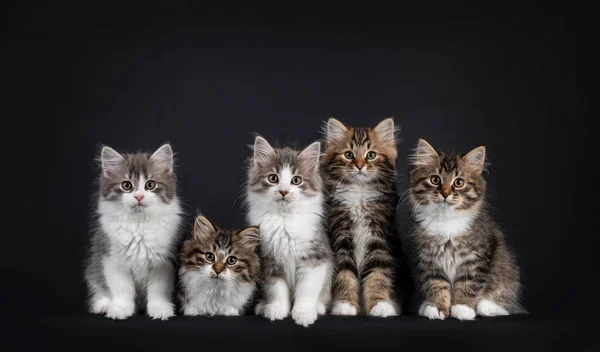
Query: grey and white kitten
<point x="219" y="269"/>
<point x="133" y="244"/>
<point x="464" y="267"/>
<point x="285" y="199"/>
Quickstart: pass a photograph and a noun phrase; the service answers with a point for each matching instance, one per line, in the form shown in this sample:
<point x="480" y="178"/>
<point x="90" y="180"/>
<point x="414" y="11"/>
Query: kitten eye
<point x="296" y="180"/>
<point x="273" y="178"/>
<point x="150" y="185"/>
<point x="231" y="260"/>
<point x="459" y="182"/>
<point x="349" y="155"/>
<point x="126" y="185"/>
<point x="435" y="180"/>
<point x="209" y="256"/>
<point x="371" y="155"/>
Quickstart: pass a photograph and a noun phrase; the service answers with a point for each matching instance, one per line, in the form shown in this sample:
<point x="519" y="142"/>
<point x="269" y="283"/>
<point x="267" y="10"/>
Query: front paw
<point x="343" y="308"/>
<point x="305" y="315"/>
<point x="231" y="311"/>
<point x="100" y="305"/>
<point x="120" y="310"/>
<point x="191" y="310"/>
<point x="275" y="311"/>
<point x="462" y="312"/>
<point x="383" y="309"/>
<point x="162" y="310"/>
<point x="431" y="312"/>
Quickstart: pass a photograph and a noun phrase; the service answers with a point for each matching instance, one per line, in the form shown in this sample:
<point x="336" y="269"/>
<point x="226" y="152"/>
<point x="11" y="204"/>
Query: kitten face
<point x="284" y="176"/>
<point x="220" y="255"/>
<point x="360" y="154"/>
<point x="137" y="182"/>
<point x="447" y="180"/>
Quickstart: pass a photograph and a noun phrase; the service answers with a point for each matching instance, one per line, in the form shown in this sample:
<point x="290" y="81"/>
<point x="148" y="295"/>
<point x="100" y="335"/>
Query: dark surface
<point x="512" y="78"/>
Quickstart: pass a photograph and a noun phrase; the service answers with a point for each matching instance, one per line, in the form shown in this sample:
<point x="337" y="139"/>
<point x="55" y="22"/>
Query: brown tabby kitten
<point x="219" y="270"/>
<point x="359" y="168"/>
<point x="464" y="267"/>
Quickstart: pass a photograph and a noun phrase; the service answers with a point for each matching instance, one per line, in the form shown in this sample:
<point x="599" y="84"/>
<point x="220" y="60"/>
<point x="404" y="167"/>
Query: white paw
<point x="487" y="308"/>
<point x="304" y="315"/>
<point x="275" y="311"/>
<point x="231" y="311"/>
<point x="191" y="310"/>
<point x="431" y="312"/>
<point x="120" y="310"/>
<point x="462" y="312"/>
<point x="321" y="308"/>
<point x="259" y="308"/>
<point x="162" y="310"/>
<point x="383" y="309"/>
<point x="343" y="308"/>
<point x="100" y="305"/>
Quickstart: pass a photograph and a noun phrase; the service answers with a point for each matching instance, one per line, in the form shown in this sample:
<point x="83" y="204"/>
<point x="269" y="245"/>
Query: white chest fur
<point x="443" y="221"/>
<point x="140" y="239"/>
<point x="357" y="199"/>
<point x="287" y="231"/>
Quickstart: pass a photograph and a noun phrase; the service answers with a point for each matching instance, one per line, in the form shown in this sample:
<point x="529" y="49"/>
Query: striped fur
<point x="362" y="200"/>
<point x="464" y="267"/>
<point x="219" y="270"/>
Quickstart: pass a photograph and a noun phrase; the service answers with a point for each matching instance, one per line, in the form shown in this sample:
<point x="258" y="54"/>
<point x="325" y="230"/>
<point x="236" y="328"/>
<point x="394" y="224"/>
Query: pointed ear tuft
<point x="163" y="158"/>
<point x="310" y="156"/>
<point x="249" y="238"/>
<point x="203" y="229"/>
<point x="263" y="152"/>
<point x="475" y="159"/>
<point x="111" y="162"/>
<point x="386" y="131"/>
<point x="424" y="154"/>
<point x="334" y="130"/>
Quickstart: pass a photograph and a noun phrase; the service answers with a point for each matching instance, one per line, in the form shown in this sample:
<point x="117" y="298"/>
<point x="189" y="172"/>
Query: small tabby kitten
<point x="219" y="270"/>
<point x="133" y="246"/>
<point x="360" y="172"/>
<point x="284" y="197"/>
<point x="464" y="267"/>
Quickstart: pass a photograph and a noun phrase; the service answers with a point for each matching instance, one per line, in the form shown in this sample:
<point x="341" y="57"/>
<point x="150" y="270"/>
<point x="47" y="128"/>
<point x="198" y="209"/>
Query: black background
<point x="513" y="78"/>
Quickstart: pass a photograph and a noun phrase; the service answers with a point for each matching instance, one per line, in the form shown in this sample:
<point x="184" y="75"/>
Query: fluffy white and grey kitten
<point x="285" y="199"/>
<point x="219" y="269"/>
<point x="133" y="245"/>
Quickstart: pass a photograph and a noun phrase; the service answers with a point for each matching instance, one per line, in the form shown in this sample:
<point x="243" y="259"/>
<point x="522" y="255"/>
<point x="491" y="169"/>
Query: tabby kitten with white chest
<point x="464" y="267"/>
<point x="359" y="167"/>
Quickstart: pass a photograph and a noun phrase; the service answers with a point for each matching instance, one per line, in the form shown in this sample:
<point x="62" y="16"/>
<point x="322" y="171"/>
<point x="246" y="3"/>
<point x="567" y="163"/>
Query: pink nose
<point x="139" y="197"/>
<point x="283" y="193"/>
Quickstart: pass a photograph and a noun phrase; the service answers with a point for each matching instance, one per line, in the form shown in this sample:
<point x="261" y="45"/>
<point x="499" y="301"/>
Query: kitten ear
<point x="475" y="159"/>
<point x="335" y="130"/>
<point x="425" y="154"/>
<point x="263" y="152"/>
<point x="163" y="158"/>
<point x="249" y="238"/>
<point x="203" y="229"/>
<point x="310" y="156"/>
<point x="111" y="161"/>
<point x="385" y="131"/>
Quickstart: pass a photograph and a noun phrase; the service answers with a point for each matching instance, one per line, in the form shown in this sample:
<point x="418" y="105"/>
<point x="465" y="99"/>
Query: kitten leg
<point x="309" y="284"/>
<point x="160" y="290"/>
<point x="467" y="291"/>
<point x="437" y="298"/>
<point x="346" y="294"/>
<point x="377" y="292"/>
<point x="122" y="287"/>
<point x="278" y="298"/>
<point x="99" y="298"/>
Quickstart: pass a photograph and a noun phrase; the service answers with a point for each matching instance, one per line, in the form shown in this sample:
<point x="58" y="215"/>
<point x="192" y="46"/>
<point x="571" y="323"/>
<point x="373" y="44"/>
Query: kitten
<point x="284" y="198"/>
<point x="133" y="245"/>
<point x="360" y="172"/>
<point x="464" y="267"/>
<point x="219" y="270"/>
